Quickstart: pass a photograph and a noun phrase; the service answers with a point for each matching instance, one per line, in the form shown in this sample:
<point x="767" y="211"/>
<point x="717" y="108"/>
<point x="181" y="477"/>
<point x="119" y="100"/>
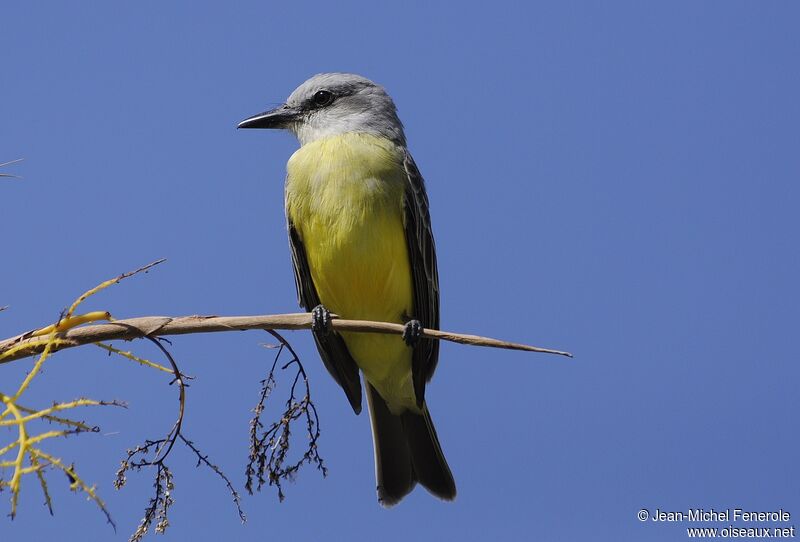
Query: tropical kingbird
<point x="362" y="247"/>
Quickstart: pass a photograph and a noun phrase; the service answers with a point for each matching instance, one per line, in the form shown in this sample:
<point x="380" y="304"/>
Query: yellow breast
<point x="344" y="195"/>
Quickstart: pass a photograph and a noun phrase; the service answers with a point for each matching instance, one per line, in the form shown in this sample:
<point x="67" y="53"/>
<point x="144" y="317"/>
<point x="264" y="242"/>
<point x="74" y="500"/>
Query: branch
<point x="28" y="344"/>
<point x="8" y="164"/>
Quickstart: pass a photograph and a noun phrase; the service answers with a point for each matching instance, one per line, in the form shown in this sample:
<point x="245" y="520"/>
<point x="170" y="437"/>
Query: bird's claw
<point x="412" y="332"/>
<point x="321" y="320"/>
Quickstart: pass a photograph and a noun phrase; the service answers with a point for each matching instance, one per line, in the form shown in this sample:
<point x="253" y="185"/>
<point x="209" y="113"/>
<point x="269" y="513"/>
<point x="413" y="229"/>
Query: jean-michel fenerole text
<point x="727" y="515"/>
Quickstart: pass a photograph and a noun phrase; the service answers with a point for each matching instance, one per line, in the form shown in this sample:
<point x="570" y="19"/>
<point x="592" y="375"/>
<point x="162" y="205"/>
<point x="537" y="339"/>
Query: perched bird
<point x="362" y="248"/>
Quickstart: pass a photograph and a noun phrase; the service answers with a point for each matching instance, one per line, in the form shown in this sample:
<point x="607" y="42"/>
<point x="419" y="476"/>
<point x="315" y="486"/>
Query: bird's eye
<point x="322" y="98"/>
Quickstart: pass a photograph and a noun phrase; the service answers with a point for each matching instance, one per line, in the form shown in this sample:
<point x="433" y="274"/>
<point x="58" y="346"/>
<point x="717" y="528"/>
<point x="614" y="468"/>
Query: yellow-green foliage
<point x="25" y="454"/>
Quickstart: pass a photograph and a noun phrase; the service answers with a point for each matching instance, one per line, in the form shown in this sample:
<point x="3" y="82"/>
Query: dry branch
<point x="8" y="164"/>
<point x="270" y="442"/>
<point x="27" y="344"/>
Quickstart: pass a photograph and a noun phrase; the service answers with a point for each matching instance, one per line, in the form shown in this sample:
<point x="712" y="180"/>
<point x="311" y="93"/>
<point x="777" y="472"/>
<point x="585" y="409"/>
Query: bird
<point x="362" y="248"/>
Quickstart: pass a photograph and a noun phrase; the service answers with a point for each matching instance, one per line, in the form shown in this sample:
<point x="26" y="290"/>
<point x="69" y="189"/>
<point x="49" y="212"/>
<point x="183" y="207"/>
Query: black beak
<point x="275" y="118"/>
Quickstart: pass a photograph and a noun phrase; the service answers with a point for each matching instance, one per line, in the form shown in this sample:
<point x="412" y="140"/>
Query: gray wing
<point x="332" y="349"/>
<point x="422" y="256"/>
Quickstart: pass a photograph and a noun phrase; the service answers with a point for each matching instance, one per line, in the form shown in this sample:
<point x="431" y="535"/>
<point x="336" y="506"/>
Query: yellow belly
<point x="344" y="195"/>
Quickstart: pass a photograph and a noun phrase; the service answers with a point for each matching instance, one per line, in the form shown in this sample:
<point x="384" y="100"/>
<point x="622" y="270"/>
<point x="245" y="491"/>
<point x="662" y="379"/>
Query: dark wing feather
<point x="332" y="349"/>
<point x="422" y="255"/>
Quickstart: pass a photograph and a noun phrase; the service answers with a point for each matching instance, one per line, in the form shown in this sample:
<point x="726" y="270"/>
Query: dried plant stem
<point x="29" y="344"/>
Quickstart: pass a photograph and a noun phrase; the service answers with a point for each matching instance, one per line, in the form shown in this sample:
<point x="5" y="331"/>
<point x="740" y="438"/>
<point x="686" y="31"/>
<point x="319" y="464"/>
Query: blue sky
<point x="615" y="179"/>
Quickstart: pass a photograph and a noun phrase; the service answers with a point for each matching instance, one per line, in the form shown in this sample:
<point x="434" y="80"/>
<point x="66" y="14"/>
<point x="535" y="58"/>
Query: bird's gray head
<point x="334" y="103"/>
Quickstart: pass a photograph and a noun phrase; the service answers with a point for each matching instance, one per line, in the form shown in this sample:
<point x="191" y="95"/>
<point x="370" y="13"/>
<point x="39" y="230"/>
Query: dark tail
<point x="406" y="451"/>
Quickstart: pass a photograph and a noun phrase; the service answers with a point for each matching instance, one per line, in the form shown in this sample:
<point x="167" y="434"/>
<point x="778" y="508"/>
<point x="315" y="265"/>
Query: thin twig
<point x="157" y="510"/>
<point x="8" y="164"/>
<point x="203" y="460"/>
<point x="26" y="345"/>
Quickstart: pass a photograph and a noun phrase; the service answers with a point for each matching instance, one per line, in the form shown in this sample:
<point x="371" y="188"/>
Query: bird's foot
<point x="321" y="321"/>
<point x="412" y="332"/>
